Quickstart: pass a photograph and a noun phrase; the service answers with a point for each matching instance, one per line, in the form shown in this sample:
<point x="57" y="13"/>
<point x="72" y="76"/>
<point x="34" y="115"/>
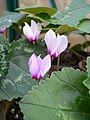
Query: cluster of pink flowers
<point x="55" y="45"/>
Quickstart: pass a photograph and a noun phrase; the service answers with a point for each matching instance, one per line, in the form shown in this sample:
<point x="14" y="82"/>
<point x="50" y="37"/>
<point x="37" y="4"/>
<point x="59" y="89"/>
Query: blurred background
<point x="60" y="4"/>
<point x="74" y="38"/>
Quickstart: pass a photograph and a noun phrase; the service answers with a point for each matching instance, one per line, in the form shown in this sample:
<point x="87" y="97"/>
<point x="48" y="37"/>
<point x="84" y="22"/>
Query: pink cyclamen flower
<point x="31" y="32"/>
<point x="2" y="30"/>
<point x="38" y="67"/>
<point x="55" y="45"/>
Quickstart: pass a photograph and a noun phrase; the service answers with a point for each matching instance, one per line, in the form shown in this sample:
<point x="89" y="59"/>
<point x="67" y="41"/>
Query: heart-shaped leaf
<point x="73" y="13"/>
<point x="61" y="97"/>
<point x="18" y="81"/>
<point x="8" y="18"/>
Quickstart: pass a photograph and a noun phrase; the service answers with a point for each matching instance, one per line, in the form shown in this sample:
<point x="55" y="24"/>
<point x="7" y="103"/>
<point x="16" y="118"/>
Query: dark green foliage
<point x="4" y="62"/>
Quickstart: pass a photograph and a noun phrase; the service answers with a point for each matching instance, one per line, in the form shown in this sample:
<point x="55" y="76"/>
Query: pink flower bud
<point x="39" y="67"/>
<point x="31" y="32"/>
<point x="55" y="45"/>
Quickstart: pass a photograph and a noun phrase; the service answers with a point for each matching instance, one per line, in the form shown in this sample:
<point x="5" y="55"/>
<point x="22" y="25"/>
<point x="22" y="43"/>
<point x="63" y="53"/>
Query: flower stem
<point x="34" y="45"/>
<point x="38" y="81"/>
<point x="58" y="63"/>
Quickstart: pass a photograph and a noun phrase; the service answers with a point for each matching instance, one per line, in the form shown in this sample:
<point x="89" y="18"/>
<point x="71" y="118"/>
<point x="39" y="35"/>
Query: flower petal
<point x="37" y="35"/>
<point x="63" y="43"/>
<point x="28" y="32"/>
<point x="39" y="60"/>
<point x="35" y="28"/>
<point x="50" y="40"/>
<point x="2" y="30"/>
<point x="46" y="65"/>
<point x="31" y="58"/>
<point x="34" y="68"/>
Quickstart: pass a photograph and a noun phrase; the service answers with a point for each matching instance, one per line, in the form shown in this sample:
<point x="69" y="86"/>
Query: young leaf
<point x="38" y="10"/>
<point x="61" y="97"/>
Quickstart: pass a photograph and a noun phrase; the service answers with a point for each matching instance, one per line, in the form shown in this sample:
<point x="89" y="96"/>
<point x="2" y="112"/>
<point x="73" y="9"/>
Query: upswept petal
<point x="28" y="32"/>
<point x="31" y="58"/>
<point x="33" y="26"/>
<point x="46" y="65"/>
<point x="63" y="43"/>
<point x="34" y="67"/>
<point x="50" y="40"/>
<point x="39" y="60"/>
<point x="55" y="50"/>
<point x="37" y="34"/>
<point x="39" y="26"/>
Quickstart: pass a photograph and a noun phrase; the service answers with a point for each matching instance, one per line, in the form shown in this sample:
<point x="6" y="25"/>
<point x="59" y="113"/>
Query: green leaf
<point x="86" y="46"/>
<point x="50" y="26"/>
<point x="3" y="40"/>
<point x="8" y="18"/>
<point x="61" y="97"/>
<point x="77" y="48"/>
<point x="4" y="62"/>
<point x="84" y="26"/>
<point x="39" y="10"/>
<point x="18" y="81"/>
<point x="44" y="16"/>
<point x="73" y="13"/>
<point x="29" y="18"/>
<point x="81" y="48"/>
<point x="65" y="29"/>
<point x="87" y="81"/>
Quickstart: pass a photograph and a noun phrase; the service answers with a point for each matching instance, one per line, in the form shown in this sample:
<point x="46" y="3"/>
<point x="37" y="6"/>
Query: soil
<point x="14" y="111"/>
<point x="70" y="58"/>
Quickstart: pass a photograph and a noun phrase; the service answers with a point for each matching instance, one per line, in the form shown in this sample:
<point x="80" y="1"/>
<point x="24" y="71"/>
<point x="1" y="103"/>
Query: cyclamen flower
<point x="2" y="30"/>
<point x="38" y="67"/>
<point x="31" y="32"/>
<point x="55" y="45"/>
